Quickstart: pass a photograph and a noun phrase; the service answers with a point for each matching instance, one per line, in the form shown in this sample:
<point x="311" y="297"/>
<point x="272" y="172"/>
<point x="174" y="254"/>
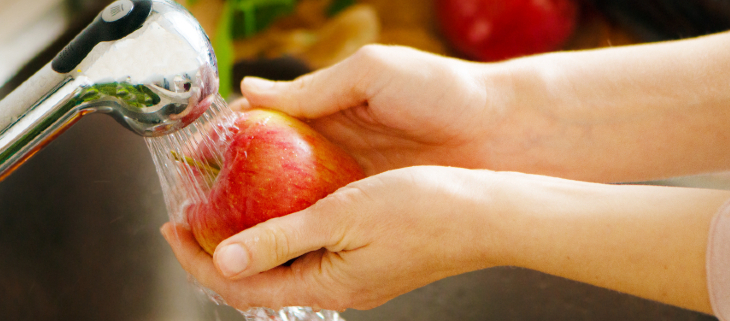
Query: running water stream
<point x="182" y="186"/>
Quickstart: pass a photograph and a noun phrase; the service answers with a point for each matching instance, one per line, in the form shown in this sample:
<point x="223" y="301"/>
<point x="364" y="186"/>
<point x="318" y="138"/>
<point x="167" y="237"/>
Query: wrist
<point x="529" y="130"/>
<point x="499" y="207"/>
<point x="618" y="114"/>
<point x="481" y="207"/>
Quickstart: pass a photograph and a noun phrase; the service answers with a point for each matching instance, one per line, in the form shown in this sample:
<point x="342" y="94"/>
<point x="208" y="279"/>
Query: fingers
<point x="311" y="96"/>
<point x="326" y="91"/>
<point x="270" y="244"/>
<point x="247" y="269"/>
<point x="271" y="289"/>
<point x="191" y="256"/>
<point x="240" y="104"/>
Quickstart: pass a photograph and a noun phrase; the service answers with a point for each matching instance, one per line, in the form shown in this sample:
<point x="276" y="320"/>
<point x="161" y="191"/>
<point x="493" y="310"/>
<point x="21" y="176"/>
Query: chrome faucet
<point x="147" y="63"/>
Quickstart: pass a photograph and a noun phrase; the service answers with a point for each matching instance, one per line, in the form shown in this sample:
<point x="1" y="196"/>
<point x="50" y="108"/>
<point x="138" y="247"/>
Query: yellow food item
<point x="320" y="41"/>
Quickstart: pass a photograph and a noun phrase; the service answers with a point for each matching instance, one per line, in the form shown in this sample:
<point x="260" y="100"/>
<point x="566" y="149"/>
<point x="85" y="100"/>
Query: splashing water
<point x="182" y="185"/>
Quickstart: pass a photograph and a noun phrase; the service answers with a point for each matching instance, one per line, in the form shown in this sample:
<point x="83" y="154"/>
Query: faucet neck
<point x="28" y="122"/>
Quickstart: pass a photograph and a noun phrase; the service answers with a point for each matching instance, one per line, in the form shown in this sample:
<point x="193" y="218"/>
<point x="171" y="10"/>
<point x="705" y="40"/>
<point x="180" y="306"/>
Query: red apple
<point x="491" y="30"/>
<point x="273" y="165"/>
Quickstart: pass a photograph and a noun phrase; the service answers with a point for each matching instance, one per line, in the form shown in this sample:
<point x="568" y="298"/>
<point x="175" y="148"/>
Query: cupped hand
<point x="393" y="107"/>
<point x="361" y="246"/>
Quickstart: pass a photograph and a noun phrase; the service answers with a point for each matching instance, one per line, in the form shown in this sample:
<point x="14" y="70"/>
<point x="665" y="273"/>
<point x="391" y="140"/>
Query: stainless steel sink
<point x="79" y="240"/>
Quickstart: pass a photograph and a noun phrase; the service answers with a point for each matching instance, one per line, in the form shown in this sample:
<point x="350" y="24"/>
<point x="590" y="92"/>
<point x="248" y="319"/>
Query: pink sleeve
<point x="718" y="263"/>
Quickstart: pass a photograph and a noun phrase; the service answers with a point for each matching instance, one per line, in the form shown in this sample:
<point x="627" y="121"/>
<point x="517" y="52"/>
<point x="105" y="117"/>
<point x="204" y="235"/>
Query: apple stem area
<point x="203" y="167"/>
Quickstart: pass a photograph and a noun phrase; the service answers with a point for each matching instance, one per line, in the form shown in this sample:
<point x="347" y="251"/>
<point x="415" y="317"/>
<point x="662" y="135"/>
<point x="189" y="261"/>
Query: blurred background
<point x="79" y="222"/>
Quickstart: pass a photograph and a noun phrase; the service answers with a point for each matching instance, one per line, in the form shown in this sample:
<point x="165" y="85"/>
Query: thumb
<point x="269" y="244"/>
<point x="321" y="93"/>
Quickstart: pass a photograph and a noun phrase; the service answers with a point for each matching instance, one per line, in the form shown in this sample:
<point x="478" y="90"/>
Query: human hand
<point x="392" y="107"/>
<point x="357" y="248"/>
<point x="610" y="115"/>
<point x="394" y="232"/>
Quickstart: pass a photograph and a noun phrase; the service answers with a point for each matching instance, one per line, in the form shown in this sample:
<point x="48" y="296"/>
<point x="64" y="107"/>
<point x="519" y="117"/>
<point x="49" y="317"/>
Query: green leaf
<point x="243" y="18"/>
<point x="223" y="47"/>
<point x="253" y="16"/>
<point x="337" y="6"/>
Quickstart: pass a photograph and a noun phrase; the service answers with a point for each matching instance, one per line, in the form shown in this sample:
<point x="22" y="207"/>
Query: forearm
<point x="621" y="114"/>
<point x="643" y="240"/>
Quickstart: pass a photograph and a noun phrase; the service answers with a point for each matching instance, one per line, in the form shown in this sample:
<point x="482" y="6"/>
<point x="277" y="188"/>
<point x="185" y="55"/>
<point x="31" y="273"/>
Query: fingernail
<point x="240" y="104"/>
<point x="257" y="84"/>
<point x="163" y="230"/>
<point x="232" y="260"/>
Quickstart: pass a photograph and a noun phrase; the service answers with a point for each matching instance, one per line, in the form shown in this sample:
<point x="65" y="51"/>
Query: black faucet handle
<point x="115" y="22"/>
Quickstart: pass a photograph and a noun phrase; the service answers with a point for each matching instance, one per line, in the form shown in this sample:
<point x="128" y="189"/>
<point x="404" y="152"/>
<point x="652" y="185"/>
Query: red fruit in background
<point x="273" y="165"/>
<point x="492" y="30"/>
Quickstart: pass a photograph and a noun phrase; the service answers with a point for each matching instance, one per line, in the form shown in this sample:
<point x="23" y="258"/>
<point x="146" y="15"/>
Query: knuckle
<point x="301" y="86"/>
<point x="371" y="54"/>
<point x="330" y="208"/>
<point x="336" y="210"/>
<point x="277" y="242"/>
<point x="303" y="82"/>
<point x="369" y="61"/>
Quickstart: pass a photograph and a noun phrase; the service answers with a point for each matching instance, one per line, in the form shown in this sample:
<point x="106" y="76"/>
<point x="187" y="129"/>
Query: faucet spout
<point x="147" y="63"/>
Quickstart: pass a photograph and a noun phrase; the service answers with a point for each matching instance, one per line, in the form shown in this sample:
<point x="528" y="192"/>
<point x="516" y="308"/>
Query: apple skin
<point x="273" y="165"/>
<point x="493" y="30"/>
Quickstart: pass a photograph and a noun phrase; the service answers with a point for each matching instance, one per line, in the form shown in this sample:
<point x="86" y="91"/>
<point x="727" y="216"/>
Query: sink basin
<point x="79" y="240"/>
